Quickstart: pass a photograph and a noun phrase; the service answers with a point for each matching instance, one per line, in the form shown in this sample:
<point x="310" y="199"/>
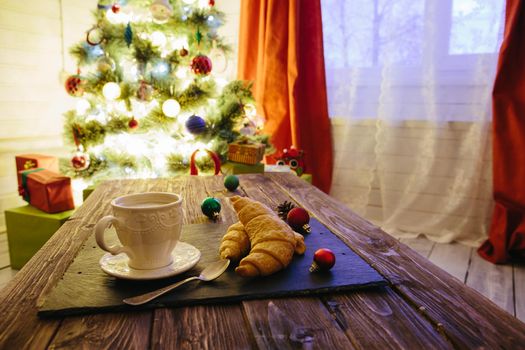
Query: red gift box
<point x="32" y="161"/>
<point x="46" y="190"/>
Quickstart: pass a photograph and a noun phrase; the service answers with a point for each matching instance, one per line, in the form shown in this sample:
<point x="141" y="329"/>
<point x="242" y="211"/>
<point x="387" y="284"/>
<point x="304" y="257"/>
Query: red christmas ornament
<point x="298" y="219"/>
<point x="324" y="259"/>
<point x="80" y="161"/>
<point x="74" y="86"/>
<point x="115" y="8"/>
<point x="211" y="3"/>
<point x="201" y="65"/>
<point x="133" y="123"/>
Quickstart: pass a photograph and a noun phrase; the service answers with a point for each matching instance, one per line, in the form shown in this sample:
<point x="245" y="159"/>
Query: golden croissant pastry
<point x="235" y="244"/>
<point x="272" y="241"/>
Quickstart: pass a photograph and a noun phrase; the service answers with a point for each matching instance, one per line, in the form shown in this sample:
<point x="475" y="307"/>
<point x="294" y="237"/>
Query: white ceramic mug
<point x="148" y="226"/>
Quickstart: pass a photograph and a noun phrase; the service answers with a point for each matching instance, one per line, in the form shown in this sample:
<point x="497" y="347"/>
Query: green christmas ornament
<point x="231" y="182"/>
<point x="198" y="36"/>
<point x="128" y="34"/>
<point x="211" y="207"/>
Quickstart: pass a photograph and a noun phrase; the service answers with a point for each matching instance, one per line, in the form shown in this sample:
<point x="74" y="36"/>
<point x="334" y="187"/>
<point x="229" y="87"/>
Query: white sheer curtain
<point x="409" y="87"/>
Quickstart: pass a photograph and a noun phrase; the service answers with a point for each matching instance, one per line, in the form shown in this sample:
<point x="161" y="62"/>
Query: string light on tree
<point x="158" y="38"/>
<point x="111" y="91"/>
<point x="160" y="69"/>
<point x="82" y="106"/>
<point x="171" y="108"/>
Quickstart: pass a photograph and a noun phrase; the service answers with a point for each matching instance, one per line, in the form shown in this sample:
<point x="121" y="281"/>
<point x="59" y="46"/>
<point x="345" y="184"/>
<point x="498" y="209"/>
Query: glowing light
<point x="179" y="43"/>
<point x="117" y="18"/>
<point x="158" y="38"/>
<point x="181" y="73"/>
<point x="171" y="108"/>
<point x="111" y="91"/>
<point x="189" y="2"/>
<point x="221" y="82"/>
<point x="160" y="69"/>
<point x="78" y="186"/>
<point x="202" y="3"/>
<point x="82" y="106"/>
<point x="250" y="110"/>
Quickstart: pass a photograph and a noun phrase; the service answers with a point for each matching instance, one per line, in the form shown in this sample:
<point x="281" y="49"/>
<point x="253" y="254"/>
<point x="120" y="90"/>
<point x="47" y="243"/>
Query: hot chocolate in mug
<point x="148" y="227"/>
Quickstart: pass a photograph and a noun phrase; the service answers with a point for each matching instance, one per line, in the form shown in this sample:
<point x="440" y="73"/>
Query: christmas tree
<point x="148" y="94"/>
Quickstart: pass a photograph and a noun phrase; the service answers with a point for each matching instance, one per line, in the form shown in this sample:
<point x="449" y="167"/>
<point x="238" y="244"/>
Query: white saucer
<point x="185" y="256"/>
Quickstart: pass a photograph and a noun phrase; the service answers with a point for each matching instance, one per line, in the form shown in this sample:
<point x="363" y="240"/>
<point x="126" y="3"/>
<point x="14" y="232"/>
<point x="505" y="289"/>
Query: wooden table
<point x="423" y="306"/>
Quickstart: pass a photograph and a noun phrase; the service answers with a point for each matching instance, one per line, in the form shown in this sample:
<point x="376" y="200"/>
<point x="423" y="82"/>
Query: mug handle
<point x="100" y="228"/>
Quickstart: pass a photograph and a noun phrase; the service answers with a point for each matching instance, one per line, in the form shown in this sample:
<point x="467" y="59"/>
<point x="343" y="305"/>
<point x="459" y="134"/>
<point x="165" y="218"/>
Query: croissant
<point x="273" y="242"/>
<point x="235" y="243"/>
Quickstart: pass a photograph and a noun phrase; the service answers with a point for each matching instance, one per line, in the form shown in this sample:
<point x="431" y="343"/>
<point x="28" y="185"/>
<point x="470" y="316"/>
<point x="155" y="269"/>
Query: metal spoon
<point x="210" y="273"/>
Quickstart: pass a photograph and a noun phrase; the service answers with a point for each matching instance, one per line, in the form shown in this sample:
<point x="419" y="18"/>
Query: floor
<point x="503" y="284"/>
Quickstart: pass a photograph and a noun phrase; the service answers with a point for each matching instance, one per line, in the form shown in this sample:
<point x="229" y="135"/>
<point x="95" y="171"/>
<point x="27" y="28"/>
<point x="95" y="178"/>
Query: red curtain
<point x="506" y="241"/>
<point x="281" y="50"/>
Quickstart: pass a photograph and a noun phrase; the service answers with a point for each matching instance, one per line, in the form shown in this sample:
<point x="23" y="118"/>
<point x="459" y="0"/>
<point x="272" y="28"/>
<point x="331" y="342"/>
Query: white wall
<point x="35" y="37"/>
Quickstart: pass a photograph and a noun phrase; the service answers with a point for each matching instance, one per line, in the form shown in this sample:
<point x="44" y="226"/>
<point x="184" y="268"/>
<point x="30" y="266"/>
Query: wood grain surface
<point x="424" y="307"/>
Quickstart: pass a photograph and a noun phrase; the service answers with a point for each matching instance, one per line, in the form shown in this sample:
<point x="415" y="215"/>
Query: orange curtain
<point x="507" y="233"/>
<point x="281" y="51"/>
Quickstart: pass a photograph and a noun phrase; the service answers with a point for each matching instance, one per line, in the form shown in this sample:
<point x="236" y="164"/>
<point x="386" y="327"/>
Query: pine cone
<point x="284" y="208"/>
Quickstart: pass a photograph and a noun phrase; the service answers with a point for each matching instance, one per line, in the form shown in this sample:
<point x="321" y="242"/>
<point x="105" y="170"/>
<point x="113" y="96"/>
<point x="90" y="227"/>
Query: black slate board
<point x="85" y="289"/>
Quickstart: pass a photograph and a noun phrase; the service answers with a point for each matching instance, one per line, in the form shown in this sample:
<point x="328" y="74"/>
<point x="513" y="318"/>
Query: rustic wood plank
<point x="6" y="275"/>
<point x="108" y="331"/>
<point x="453" y="258"/>
<point x="268" y="192"/>
<point x="467" y="319"/>
<point x="294" y="324"/>
<point x="201" y="327"/>
<point x="392" y="320"/>
<point x="519" y="290"/>
<point x="19" y="326"/>
<point x="4" y="251"/>
<point x="493" y="281"/>
<point x="74" y="332"/>
<point x="421" y="245"/>
<point x="295" y="311"/>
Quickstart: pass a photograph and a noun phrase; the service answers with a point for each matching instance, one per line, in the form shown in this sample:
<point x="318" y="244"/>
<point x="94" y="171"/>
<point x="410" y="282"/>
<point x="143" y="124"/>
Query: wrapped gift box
<point x="47" y="190"/>
<point x="86" y="192"/>
<point x="246" y="152"/>
<point x="31" y="161"/>
<point x="233" y="168"/>
<point x="306" y="177"/>
<point x="28" y="229"/>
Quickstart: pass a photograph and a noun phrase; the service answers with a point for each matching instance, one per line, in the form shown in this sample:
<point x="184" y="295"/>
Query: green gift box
<point x="28" y="229"/>
<point x="306" y="177"/>
<point x="234" y="168"/>
<point x="86" y="192"/>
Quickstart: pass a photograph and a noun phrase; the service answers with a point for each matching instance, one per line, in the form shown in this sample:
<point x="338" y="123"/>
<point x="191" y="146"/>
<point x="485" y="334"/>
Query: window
<point x="438" y="53"/>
